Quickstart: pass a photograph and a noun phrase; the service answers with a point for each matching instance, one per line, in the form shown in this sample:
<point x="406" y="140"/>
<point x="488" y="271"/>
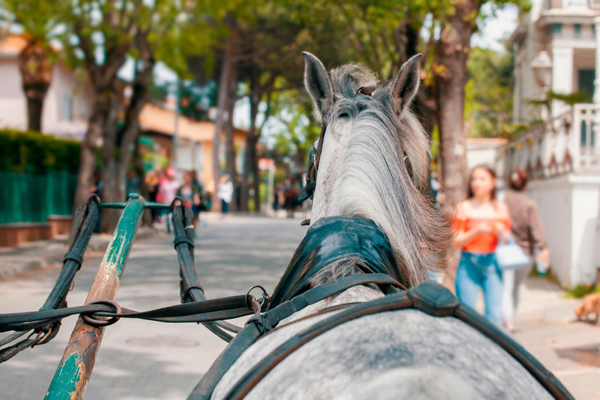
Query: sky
<point x="495" y="28"/>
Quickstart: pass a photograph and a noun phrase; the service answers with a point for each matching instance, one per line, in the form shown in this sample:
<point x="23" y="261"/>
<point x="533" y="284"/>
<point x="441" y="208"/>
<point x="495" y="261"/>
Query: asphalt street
<point x="151" y="360"/>
<point x="142" y="359"/>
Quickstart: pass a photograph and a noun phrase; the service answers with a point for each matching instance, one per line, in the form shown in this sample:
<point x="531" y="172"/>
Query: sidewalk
<point x="547" y="327"/>
<point x="38" y="254"/>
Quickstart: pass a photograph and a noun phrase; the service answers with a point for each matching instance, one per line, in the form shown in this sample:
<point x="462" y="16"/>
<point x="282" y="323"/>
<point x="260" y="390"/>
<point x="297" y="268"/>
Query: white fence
<point x="568" y="143"/>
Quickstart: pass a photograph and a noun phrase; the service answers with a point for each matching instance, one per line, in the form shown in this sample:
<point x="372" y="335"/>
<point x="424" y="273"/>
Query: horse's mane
<point x="369" y="177"/>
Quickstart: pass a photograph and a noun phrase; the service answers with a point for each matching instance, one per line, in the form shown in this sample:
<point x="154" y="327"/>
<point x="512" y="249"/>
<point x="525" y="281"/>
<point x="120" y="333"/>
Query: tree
<point x="457" y="25"/>
<point x="39" y="20"/>
<point x="489" y="93"/>
<point x="116" y="26"/>
<point x="127" y="28"/>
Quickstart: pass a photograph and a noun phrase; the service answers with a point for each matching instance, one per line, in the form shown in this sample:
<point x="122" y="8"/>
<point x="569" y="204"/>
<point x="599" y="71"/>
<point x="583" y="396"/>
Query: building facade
<point x="557" y="52"/>
<point x="67" y="104"/>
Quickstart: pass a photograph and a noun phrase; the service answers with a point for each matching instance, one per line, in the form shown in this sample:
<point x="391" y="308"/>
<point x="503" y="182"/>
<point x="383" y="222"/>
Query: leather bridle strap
<point x="261" y="324"/>
<point x="313" y="166"/>
<point x="321" y="139"/>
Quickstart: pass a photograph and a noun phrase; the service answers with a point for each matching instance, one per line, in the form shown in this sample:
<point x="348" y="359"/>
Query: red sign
<point x="266" y="163"/>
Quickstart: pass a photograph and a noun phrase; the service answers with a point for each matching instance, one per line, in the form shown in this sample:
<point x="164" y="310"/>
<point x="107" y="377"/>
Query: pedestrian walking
<point x="225" y="193"/>
<point x="168" y="190"/>
<point x="190" y="194"/>
<point x="480" y="222"/>
<point x="152" y="185"/>
<point x="202" y="205"/>
<point x="528" y="232"/>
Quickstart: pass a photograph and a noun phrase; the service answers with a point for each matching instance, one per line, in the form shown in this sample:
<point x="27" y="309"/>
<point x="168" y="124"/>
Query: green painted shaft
<point x="75" y="368"/>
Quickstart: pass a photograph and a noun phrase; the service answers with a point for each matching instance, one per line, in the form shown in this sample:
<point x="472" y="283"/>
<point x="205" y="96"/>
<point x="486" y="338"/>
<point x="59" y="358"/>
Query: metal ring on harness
<point x="98" y="322"/>
<point x="265" y="295"/>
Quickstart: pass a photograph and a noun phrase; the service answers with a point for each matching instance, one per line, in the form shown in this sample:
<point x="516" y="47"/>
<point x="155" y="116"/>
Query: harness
<point x="335" y="239"/>
<point x="329" y="240"/>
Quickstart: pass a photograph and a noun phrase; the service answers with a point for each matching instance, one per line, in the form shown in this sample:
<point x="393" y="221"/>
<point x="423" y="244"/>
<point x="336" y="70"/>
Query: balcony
<point x="565" y="144"/>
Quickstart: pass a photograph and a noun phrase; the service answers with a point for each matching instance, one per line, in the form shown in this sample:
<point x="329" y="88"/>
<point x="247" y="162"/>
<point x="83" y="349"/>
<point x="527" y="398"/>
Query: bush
<point x="35" y="153"/>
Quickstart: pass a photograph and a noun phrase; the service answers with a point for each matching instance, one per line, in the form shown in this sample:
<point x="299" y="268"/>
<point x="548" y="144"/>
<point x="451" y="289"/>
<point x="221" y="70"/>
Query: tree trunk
<point x="452" y="52"/>
<point x="119" y="145"/>
<point x="87" y="163"/>
<point x="224" y="89"/>
<point x="112" y="181"/>
<point x="103" y="79"/>
<point x="143" y="190"/>
<point x="36" y="75"/>
<point x="256" y="180"/>
<point x="230" y="151"/>
<point x="250" y="158"/>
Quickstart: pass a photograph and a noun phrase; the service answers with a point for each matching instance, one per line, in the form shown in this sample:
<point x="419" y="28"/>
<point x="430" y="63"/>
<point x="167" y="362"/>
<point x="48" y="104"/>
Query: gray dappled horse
<point x="372" y="164"/>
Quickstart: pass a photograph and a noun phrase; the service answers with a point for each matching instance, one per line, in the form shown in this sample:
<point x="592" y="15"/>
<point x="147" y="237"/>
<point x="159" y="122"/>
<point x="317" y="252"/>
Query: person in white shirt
<point x="225" y="193"/>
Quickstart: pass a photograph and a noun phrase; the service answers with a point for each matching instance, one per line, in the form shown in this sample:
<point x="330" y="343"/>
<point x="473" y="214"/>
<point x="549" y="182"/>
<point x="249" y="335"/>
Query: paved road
<point x="570" y="349"/>
<point x="149" y="360"/>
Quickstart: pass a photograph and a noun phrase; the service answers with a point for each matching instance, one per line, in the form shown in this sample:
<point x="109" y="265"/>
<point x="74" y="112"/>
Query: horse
<point x="370" y="214"/>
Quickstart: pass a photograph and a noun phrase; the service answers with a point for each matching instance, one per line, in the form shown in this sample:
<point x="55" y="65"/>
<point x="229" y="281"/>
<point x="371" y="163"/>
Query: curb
<point x="98" y="242"/>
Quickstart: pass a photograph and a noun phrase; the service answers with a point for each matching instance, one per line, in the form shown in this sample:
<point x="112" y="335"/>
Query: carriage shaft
<point x="75" y="368"/>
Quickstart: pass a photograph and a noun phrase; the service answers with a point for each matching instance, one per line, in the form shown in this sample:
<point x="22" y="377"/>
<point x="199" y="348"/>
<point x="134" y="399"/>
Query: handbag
<point x="510" y="255"/>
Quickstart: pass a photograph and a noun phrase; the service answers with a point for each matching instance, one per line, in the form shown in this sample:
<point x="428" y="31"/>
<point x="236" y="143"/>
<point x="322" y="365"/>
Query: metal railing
<point x="566" y="143"/>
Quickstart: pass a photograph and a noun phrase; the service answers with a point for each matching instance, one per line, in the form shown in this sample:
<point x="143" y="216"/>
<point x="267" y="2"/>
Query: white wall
<point x="553" y="198"/>
<point x="568" y="207"/>
<point x="585" y="199"/>
<point x="482" y="151"/>
<point x="13" y="104"/>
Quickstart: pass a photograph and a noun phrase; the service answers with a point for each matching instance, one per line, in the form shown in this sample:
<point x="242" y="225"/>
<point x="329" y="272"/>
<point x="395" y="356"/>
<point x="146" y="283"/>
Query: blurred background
<point x="151" y="96"/>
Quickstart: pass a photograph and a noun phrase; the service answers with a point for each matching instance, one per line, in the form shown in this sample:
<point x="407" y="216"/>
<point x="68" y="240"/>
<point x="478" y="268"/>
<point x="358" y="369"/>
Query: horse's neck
<point x="356" y="294"/>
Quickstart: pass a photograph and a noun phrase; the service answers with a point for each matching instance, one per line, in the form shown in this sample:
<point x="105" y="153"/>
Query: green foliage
<point x="581" y="290"/>
<point x="299" y="129"/>
<point x="569" y="99"/>
<point x="489" y="93"/>
<point x="435" y="147"/>
<point x="39" y="19"/>
<point x="37" y="154"/>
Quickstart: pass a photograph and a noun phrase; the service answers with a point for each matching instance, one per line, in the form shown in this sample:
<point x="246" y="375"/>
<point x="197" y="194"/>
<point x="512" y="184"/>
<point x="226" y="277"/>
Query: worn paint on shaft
<point x="75" y="368"/>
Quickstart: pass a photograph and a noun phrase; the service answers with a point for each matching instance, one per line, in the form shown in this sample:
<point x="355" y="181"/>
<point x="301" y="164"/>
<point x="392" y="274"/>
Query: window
<point x="577" y="29"/>
<point x="67" y="108"/>
<point x="585" y="82"/>
<point x="557" y="29"/>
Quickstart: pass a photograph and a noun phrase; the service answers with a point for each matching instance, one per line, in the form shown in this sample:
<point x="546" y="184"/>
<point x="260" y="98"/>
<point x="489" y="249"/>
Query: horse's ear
<point x="407" y="83"/>
<point x="317" y="84"/>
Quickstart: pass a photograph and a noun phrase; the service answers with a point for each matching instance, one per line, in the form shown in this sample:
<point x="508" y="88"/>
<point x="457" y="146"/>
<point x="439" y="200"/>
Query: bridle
<point x="313" y="166"/>
<point x="315" y="157"/>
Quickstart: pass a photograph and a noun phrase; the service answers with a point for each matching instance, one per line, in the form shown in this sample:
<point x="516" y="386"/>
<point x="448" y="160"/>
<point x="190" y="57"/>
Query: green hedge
<point x="35" y="153"/>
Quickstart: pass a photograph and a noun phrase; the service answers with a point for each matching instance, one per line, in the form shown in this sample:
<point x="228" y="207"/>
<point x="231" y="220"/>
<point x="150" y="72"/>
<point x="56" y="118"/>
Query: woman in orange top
<point x="479" y="222"/>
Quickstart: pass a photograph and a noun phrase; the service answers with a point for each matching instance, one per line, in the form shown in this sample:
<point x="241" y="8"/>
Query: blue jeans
<point x="224" y="206"/>
<point x="480" y="271"/>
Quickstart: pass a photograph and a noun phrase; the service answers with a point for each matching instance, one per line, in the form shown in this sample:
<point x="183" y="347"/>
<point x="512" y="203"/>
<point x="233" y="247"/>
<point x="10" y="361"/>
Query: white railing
<point x="565" y="144"/>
